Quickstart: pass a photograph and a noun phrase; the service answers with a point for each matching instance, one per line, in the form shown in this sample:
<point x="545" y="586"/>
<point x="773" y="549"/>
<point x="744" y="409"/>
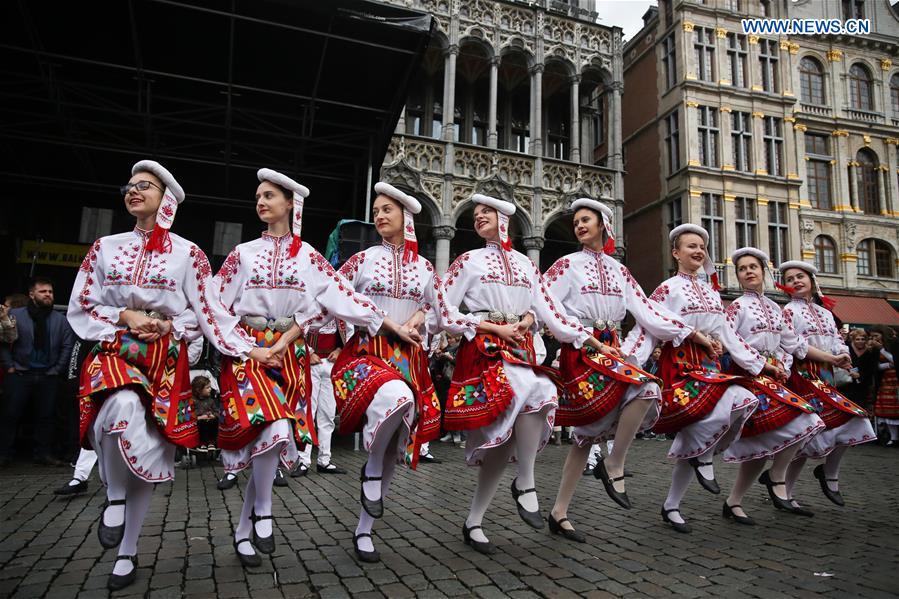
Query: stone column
<point x="726" y="143"/>
<point x="791" y="143"/>
<point x="613" y="119"/>
<point x="449" y="92"/>
<point x="491" y="114"/>
<point x="891" y="175"/>
<point x="853" y="185"/>
<point x="799" y="133"/>
<point x="533" y="245"/>
<point x="882" y="198"/>
<point x="443" y="234"/>
<point x="537" y="110"/>
<point x="690" y="134"/>
<point x="759" y="163"/>
<point x="574" y="136"/>
<point x="841" y="191"/>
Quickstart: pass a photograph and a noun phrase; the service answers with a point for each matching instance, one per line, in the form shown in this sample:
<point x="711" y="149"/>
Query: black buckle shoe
<point x="555" y="527"/>
<point x="600" y="472"/>
<point x="373" y="507"/>
<point x="532" y="519"/>
<point x="110" y="536"/>
<point x="678" y="526"/>
<point x="371" y="557"/>
<point x="329" y="469"/>
<point x="728" y="512"/>
<point x="247" y="560"/>
<point x="299" y="471"/>
<point x="799" y="510"/>
<point x="280" y="479"/>
<point x="428" y="457"/>
<point x="228" y="481"/>
<point x="120" y="581"/>
<point x="485" y="547"/>
<point x="834" y="496"/>
<point x="69" y="489"/>
<point x="781" y="504"/>
<point x="710" y="485"/>
<point x="263" y="544"/>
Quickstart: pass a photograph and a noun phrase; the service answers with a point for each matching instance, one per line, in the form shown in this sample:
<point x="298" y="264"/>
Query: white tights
<point x="258" y="497"/>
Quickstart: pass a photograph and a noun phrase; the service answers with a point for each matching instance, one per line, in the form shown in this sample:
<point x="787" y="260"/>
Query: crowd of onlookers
<point x="40" y="363"/>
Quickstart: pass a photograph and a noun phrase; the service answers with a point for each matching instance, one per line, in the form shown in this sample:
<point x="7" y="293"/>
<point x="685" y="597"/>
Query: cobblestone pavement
<point x="49" y="545"/>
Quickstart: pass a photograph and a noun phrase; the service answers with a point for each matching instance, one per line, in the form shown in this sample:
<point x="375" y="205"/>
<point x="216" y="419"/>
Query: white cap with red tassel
<point x="299" y="192"/>
<point x="606" y="213"/>
<point x="504" y="210"/>
<point x="410" y="206"/>
<point x="172" y="195"/>
<point x="709" y="265"/>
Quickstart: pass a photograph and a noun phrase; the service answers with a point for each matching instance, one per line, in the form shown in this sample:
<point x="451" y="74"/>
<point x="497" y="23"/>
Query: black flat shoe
<point x="247" y="561"/>
<point x="588" y="469"/>
<point x="280" y="479"/>
<point x="228" y="481"/>
<point x="120" y="581"/>
<point x="300" y="471"/>
<point x="485" y="547"/>
<point x="728" y="512"/>
<point x="263" y="544"/>
<point x="329" y="469"/>
<point x="710" y="485"/>
<point x="371" y="557"/>
<point x="781" y="504"/>
<point x="555" y="527"/>
<point x="68" y="489"/>
<point x="429" y="458"/>
<point x="532" y="519"/>
<point x="110" y="536"/>
<point x="678" y="526"/>
<point x="834" y="496"/>
<point x="373" y="507"/>
<point x="800" y="511"/>
<point x="621" y="498"/>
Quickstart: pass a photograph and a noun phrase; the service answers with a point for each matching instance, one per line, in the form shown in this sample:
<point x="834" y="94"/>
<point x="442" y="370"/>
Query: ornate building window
<point x="672" y="142"/>
<point x="817" y="168"/>
<point x="811" y="81"/>
<point x="708" y="136"/>
<point x="768" y="59"/>
<point x="774" y="145"/>
<point x="713" y="222"/>
<point x="876" y="259"/>
<point x="704" y="52"/>
<point x="669" y="61"/>
<point x="867" y="181"/>
<point x="894" y="94"/>
<point x="825" y="254"/>
<point x="861" y="95"/>
<point x="737" y="58"/>
<point x="741" y="140"/>
<point x="746" y="221"/>
<point x="777" y="232"/>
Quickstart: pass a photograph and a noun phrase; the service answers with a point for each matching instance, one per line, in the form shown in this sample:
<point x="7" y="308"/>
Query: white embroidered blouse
<point x="260" y="278"/>
<point x="400" y="289"/>
<point x="815" y="326"/>
<point x="118" y="274"/>
<point x="700" y="307"/>
<point x="758" y="320"/>
<point x="490" y="278"/>
<point x="592" y="285"/>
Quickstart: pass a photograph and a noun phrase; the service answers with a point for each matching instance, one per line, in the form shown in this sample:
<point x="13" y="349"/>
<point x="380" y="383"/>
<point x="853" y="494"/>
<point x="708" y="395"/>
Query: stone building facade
<point x="760" y="139"/>
<point x="516" y="99"/>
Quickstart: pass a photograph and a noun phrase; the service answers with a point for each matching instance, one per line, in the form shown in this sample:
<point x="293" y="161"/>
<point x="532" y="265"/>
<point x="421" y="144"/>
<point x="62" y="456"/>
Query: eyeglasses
<point x="140" y="186"/>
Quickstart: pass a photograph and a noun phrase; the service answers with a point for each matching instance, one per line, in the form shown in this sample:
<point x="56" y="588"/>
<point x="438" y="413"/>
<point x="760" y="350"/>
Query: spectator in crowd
<point x="443" y="363"/>
<point x="33" y="364"/>
<point x="87" y="458"/>
<point x="886" y="405"/>
<point x="8" y="331"/>
<point x="207" y="405"/>
<point x="859" y="384"/>
<point x="652" y="365"/>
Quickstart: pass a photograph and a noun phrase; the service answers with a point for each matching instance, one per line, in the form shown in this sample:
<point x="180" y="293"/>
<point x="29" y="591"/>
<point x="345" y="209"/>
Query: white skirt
<point x="278" y="436"/>
<point x="719" y="428"/>
<point x="392" y="398"/>
<point x="604" y="428"/>
<point x="855" y="432"/>
<point x="768" y="444"/>
<point x="146" y="452"/>
<point x="532" y="393"/>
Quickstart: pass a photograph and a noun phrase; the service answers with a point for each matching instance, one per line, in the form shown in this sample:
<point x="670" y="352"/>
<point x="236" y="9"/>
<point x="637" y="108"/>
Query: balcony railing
<point x="816" y="110"/>
<point x="865" y="116"/>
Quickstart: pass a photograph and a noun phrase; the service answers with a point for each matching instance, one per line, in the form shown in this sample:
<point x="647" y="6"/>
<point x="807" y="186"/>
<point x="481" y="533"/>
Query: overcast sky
<point x="627" y="14"/>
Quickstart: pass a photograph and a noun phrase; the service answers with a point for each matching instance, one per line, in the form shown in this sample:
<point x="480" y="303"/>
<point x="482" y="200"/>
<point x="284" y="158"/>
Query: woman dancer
<point x="381" y="383"/>
<point x="703" y="406"/>
<point x="137" y="294"/>
<point x="820" y="348"/>
<point x="272" y="283"/>
<point x="498" y="391"/>
<point x="605" y="397"/>
<point x="783" y="422"/>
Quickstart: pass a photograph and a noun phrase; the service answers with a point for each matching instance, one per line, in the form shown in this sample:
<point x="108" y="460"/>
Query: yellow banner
<point x="54" y="254"/>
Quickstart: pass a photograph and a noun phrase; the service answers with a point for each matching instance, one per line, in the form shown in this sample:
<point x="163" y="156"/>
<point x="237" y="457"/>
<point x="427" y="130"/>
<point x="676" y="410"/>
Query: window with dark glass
<point x="867" y="181"/>
<point x="704" y="52"/>
<point x="669" y="61"/>
<point x="853" y="9"/>
<point x="777" y="232"/>
<point x="737" y="57"/>
<point x="713" y="222"/>
<point x="774" y="145"/>
<point x="861" y="94"/>
<point x="708" y="136"/>
<point x="894" y="94"/>
<point x="768" y="58"/>
<point x="672" y="142"/>
<point x="825" y="254"/>
<point x="741" y="138"/>
<point x="811" y="81"/>
<point x="817" y="169"/>
<point x="746" y="221"/>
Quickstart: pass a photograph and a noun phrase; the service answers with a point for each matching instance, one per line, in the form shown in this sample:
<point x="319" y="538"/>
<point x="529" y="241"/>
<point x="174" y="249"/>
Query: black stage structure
<point x="213" y="90"/>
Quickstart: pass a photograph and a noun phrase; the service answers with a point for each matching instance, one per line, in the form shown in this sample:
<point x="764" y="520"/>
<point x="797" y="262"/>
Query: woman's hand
<point x="524" y="325"/>
<point x="415" y="321"/>
<point x="775" y="371"/>
<point x="842" y="361"/>
<point x="411" y="336"/>
<point x="314" y="359"/>
<point x="508" y="333"/>
<point x="602" y="347"/>
<point x="710" y="346"/>
<point x="266" y="357"/>
<point x="332" y="357"/>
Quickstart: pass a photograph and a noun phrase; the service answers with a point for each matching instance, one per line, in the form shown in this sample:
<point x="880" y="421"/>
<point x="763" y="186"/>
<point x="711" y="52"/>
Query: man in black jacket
<point x="33" y="364"/>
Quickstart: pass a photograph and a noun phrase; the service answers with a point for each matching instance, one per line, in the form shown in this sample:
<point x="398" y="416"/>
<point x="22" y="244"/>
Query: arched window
<point x="867" y="181"/>
<point x="825" y="254"/>
<point x="875" y="259"/>
<point x="894" y="94"/>
<point x="860" y="88"/>
<point x="811" y="77"/>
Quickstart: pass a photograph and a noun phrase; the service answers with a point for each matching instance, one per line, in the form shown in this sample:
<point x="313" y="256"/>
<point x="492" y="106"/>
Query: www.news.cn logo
<point x="806" y="26"/>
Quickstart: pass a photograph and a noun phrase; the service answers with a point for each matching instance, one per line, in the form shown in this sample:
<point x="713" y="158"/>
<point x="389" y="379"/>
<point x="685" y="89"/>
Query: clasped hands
<point x="143" y="327"/>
